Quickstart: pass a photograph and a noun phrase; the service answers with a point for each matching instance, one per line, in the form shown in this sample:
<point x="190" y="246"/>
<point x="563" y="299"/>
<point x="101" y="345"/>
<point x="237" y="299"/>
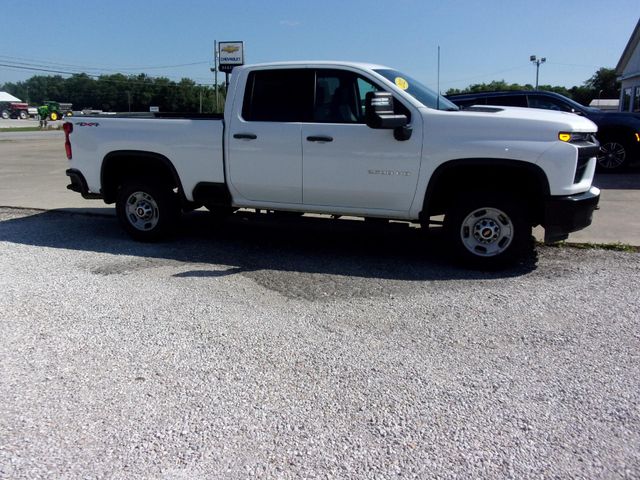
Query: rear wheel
<point x="24" y="114"/>
<point x="612" y="155"/>
<point x="487" y="231"/>
<point x="5" y="114"/>
<point x="147" y="211"/>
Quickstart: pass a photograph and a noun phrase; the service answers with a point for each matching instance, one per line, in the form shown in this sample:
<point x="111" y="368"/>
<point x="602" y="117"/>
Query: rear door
<point x="347" y="164"/>
<point x="265" y="150"/>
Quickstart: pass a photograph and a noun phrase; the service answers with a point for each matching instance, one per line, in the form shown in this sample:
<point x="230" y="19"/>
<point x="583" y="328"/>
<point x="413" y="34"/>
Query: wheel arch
<point x="123" y="164"/>
<point x="474" y="174"/>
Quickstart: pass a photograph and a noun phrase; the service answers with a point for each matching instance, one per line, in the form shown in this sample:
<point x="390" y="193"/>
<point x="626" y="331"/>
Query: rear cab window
<point x="278" y="95"/>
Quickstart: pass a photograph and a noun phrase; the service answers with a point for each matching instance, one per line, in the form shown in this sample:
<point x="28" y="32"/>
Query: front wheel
<point x="53" y="116"/>
<point x="24" y="114"/>
<point x="5" y="114"/>
<point x="148" y="212"/>
<point x="487" y="232"/>
<point x="612" y="156"/>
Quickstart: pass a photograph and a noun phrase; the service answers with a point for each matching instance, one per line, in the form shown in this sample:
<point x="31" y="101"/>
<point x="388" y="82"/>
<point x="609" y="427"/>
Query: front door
<point x="347" y="164"/>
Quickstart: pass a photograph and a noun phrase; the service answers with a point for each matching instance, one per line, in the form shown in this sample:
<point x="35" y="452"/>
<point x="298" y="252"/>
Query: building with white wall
<point x="628" y="71"/>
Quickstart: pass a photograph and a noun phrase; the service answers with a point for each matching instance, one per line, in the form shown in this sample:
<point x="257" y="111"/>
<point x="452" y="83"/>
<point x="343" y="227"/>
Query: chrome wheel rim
<point x="487" y="232"/>
<point x="142" y="211"/>
<point x="611" y="155"/>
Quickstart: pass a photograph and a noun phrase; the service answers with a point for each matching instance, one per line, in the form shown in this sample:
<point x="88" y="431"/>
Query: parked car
<point x="618" y="132"/>
<point x="298" y="137"/>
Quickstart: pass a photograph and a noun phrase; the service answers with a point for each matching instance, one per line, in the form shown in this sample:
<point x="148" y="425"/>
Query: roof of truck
<point x="362" y="65"/>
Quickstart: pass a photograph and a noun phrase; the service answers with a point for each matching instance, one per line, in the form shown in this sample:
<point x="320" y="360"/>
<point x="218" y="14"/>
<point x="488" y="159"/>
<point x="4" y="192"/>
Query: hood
<point x="501" y="117"/>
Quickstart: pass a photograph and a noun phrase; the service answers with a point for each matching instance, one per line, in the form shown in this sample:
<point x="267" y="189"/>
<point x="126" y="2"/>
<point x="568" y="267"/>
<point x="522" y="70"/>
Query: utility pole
<point x="438" y="88"/>
<point x="537" y="62"/>
<point x="215" y="72"/>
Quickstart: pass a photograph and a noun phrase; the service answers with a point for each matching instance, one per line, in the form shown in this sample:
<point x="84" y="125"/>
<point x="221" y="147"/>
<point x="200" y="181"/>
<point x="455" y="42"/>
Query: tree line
<point x="120" y="93"/>
<point x="136" y="93"/>
<point x="603" y="84"/>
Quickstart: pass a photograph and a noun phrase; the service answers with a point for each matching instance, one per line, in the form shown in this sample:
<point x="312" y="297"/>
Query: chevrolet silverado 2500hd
<point x="346" y="139"/>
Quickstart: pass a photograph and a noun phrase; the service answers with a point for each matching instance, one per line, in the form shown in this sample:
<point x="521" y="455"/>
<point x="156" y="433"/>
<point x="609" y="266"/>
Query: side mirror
<point x="378" y="111"/>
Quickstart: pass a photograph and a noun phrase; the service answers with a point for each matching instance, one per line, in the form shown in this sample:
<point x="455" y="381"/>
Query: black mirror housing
<point x="379" y="111"/>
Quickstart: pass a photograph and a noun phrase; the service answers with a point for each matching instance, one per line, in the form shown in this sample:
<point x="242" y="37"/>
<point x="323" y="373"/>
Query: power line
<point x="28" y="67"/>
<point x="48" y="63"/>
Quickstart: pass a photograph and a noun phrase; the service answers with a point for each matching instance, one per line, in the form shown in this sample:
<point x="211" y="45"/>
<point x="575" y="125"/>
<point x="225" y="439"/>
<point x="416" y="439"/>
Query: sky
<point x="479" y="41"/>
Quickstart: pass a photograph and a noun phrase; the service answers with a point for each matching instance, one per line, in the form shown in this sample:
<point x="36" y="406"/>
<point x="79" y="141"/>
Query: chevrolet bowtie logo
<point x="230" y="49"/>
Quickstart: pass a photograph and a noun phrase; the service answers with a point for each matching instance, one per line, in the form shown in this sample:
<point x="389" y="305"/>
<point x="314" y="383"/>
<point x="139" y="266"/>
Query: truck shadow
<point x="248" y="242"/>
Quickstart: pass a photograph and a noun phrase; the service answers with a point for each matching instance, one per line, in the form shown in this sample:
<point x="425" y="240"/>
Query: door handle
<point x="245" y="136"/>
<point x="319" y="139"/>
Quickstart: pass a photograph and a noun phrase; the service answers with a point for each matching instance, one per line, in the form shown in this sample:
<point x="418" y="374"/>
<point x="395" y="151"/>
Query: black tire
<point x="24" y="114"/>
<point x="5" y="114"/>
<point x="148" y="212"/>
<point x="613" y="155"/>
<point x="487" y="232"/>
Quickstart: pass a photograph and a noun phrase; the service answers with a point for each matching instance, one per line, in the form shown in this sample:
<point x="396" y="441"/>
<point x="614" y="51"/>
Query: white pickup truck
<point x="346" y="138"/>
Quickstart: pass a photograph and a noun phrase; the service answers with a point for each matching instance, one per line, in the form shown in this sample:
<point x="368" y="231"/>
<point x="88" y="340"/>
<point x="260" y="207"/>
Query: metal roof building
<point x="7" y="97"/>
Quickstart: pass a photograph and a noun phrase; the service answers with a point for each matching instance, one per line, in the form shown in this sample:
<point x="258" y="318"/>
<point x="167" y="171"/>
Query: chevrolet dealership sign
<point x="230" y="54"/>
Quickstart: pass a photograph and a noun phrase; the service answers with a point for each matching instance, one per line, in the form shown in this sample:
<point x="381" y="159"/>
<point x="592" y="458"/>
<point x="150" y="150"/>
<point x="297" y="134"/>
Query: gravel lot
<point x="310" y="348"/>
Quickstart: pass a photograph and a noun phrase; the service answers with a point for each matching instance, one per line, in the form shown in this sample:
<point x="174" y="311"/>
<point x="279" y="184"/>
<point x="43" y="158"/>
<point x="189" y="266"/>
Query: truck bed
<point x="192" y="142"/>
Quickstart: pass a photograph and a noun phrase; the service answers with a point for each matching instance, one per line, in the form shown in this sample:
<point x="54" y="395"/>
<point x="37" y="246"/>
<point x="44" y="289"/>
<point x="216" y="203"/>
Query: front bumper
<point x="79" y="184"/>
<point x="563" y="215"/>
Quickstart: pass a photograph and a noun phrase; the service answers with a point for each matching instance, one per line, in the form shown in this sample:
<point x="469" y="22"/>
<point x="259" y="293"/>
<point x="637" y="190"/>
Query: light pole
<point x="214" y="70"/>
<point x="537" y="61"/>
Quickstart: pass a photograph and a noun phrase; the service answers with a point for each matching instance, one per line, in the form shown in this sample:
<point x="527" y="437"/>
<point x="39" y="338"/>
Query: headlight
<point x="572" y="137"/>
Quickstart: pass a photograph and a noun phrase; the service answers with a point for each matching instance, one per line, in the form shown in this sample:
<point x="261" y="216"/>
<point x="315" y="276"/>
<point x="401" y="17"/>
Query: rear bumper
<point x="79" y="184"/>
<point x="564" y="215"/>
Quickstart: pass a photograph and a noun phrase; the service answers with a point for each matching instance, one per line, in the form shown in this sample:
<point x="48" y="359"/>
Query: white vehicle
<point x="352" y="139"/>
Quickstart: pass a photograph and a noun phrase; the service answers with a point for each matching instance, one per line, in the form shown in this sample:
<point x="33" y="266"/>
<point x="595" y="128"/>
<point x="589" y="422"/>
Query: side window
<point x="364" y="87"/>
<point x="546" y="103"/>
<point x="469" y="103"/>
<point x="337" y="98"/>
<point x="340" y="97"/>
<point x="508" y="101"/>
<point x="283" y="95"/>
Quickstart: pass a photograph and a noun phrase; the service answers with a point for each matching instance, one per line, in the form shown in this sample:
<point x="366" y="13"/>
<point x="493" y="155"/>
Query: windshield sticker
<point x="401" y="83"/>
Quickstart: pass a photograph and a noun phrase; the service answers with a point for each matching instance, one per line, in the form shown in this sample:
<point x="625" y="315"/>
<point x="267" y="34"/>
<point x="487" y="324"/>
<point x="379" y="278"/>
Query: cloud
<point x="290" y="23"/>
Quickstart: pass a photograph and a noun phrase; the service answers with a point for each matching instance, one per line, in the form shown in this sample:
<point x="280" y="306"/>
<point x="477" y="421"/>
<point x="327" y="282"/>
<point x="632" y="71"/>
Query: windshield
<point x="578" y="106"/>
<point x="424" y="95"/>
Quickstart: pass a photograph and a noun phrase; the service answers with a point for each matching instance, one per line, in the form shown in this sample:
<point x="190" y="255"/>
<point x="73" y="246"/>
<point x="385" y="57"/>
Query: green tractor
<point x="57" y="110"/>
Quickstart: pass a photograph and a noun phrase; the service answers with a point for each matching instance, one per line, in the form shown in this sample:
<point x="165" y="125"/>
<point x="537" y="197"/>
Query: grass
<point x="22" y="129"/>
